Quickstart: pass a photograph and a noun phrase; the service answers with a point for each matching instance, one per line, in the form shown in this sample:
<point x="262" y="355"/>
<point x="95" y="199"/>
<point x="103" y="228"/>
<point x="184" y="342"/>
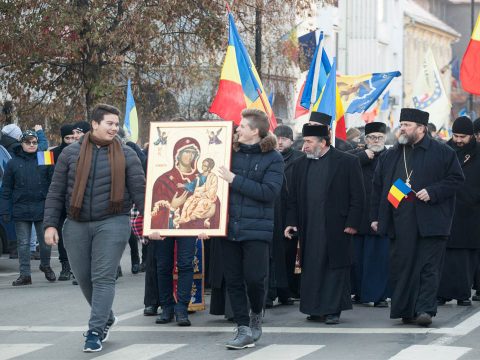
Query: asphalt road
<point x="46" y="321"/>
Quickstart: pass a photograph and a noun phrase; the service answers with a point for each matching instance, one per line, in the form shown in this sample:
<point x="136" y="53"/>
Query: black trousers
<point x="151" y="282"/>
<point x="246" y="269"/>
<point x="133" y="242"/>
<point x="62" y="253"/>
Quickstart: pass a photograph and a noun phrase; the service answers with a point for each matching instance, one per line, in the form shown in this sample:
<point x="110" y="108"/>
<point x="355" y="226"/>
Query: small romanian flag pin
<point x="45" y="158"/>
<point x="398" y="192"/>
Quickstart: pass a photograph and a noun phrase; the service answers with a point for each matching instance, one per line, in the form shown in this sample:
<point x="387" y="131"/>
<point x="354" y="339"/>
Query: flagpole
<point x="472" y="25"/>
<point x="259" y="91"/>
<point x="316" y="73"/>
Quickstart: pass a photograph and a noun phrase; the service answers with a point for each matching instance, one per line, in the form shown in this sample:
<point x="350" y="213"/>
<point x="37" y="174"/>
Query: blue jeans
<point x="164" y="256"/>
<point x="23" y="230"/>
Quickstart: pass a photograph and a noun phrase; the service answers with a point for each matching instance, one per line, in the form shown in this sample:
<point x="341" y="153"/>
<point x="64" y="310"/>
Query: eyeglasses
<point x="375" y="138"/>
<point x="33" y="143"/>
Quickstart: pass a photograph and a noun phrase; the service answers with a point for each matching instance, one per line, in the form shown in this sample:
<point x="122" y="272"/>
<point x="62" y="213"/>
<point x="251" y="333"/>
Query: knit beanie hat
<point x="462" y="125"/>
<point x="12" y="130"/>
<point x="66" y="129"/>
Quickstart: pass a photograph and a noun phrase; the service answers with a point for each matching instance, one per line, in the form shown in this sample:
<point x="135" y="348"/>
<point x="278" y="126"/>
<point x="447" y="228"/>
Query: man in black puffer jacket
<point x="96" y="180"/>
<point x="25" y="184"/>
<point x="255" y="182"/>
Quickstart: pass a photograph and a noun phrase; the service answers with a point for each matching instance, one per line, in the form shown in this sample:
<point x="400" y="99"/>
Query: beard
<point x="376" y="148"/>
<point x="405" y="139"/>
<point x="314" y="155"/>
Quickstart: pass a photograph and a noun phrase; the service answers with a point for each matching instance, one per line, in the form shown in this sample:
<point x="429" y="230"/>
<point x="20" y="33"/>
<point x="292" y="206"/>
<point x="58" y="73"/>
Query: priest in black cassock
<point x="463" y="246"/>
<point x="325" y="205"/>
<point x="421" y="224"/>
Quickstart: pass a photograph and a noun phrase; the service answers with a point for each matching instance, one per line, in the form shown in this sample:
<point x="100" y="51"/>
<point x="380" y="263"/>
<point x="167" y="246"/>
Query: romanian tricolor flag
<point x="240" y="86"/>
<point x="470" y="67"/>
<point x="398" y="192"/>
<point x="331" y="104"/>
<point x="45" y="158"/>
<point x="131" y="118"/>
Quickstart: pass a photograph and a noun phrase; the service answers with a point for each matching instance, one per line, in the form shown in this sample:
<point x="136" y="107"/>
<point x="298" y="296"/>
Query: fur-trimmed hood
<point x="268" y="143"/>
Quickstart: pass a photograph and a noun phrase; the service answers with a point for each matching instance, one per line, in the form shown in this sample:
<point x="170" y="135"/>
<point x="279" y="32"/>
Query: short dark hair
<point x="326" y="138"/>
<point x="257" y="119"/>
<point x="100" y="110"/>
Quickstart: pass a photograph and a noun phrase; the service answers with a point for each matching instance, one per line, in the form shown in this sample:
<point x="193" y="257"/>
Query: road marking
<point x="282" y="352"/>
<point x="8" y="274"/>
<point x="140" y="351"/>
<point x="421" y="352"/>
<point x="130" y="314"/>
<point x="229" y="329"/>
<point x="10" y="351"/>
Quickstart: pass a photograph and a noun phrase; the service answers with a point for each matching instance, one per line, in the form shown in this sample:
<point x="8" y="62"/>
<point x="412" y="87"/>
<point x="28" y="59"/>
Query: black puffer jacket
<point x="97" y="192"/>
<point x="25" y="184"/>
<point x="258" y="180"/>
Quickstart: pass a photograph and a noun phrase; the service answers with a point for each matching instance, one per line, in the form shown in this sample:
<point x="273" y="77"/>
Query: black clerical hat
<point x="320" y="118"/>
<point x="414" y="115"/>
<point x="462" y="125"/>
<point x="315" y="130"/>
<point x="375" y="127"/>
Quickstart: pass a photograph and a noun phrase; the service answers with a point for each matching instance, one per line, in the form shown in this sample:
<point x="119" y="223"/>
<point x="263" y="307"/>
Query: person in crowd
<point x="26" y="181"/>
<point x="432" y="130"/>
<point x="370" y="270"/>
<point x="283" y="279"/>
<point x="476" y="129"/>
<point x="463" y="245"/>
<point x="325" y="119"/>
<point x="419" y="225"/>
<point x="10" y="138"/>
<point x="353" y="137"/>
<point x="476" y="279"/>
<point x="95" y="179"/>
<point x="325" y="206"/>
<point x="80" y="128"/>
<point x="66" y="133"/>
<point x="255" y="182"/>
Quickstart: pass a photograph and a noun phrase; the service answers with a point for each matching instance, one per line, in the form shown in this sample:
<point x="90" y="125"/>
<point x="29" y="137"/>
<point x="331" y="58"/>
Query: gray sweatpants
<point x="94" y="251"/>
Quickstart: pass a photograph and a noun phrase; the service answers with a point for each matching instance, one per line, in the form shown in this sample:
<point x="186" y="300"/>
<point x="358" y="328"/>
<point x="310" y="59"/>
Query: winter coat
<point x="466" y="225"/>
<point x="25" y="185"/>
<point x="258" y="180"/>
<point x="97" y="191"/>
<point x="436" y="170"/>
<point x="368" y="169"/>
<point x="344" y="204"/>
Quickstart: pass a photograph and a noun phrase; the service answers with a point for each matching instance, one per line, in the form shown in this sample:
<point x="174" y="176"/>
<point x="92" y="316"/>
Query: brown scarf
<point x="116" y="159"/>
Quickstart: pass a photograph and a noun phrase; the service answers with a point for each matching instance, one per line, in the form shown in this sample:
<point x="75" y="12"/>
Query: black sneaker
<point x="476" y="297"/>
<point x="181" y="317"/>
<point x="381" y="304"/>
<point x="66" y="273"/>
<point x="22" y="280"/>
<point x="49" y="274"/>
<point x="106" y="330"/>
<point x="166" y="316"/>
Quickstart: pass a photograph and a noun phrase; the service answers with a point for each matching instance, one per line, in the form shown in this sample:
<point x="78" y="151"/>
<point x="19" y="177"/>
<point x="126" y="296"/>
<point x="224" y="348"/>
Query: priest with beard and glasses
<point x="370" y="265"/>
<point x="325" y="206"/>
<point x="463" y="245"/>
<point x="420" y="224"/>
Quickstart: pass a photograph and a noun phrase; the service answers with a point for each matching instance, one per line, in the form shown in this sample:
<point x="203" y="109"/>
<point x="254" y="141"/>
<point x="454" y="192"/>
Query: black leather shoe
<point x="317" y="318"/>
<point x="287" y="301"/>
<point x="49" y="274"/>
<point x="441" y="301"/>
<point x="464" y="303"/>
<point x="424" y="319"/>
<point x="332" y="319"/>
<point x="150" y="310"/>
<point x="408" y="321"/>
<point x="22" y="280"/>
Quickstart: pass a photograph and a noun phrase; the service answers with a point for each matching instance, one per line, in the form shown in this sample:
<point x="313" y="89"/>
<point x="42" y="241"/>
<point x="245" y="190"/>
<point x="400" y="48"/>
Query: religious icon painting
<point x="184" y="194"/>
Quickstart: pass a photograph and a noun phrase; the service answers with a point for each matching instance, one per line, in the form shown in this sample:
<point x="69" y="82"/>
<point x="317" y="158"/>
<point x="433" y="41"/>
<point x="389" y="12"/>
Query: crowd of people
<point x="325" y="223"/>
